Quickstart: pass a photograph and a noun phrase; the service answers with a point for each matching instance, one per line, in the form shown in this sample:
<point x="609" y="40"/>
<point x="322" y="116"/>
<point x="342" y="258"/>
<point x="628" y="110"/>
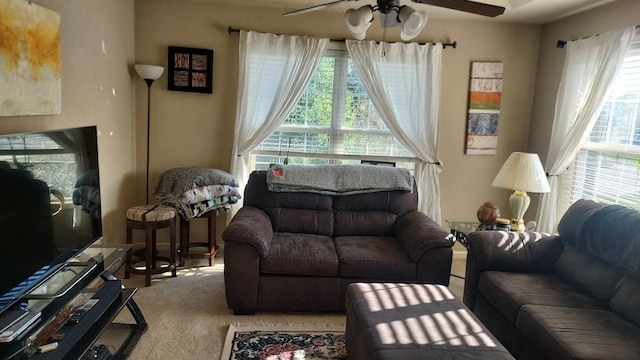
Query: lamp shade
<point x="411" y="22"/>
<point x="149" y="72"/>
<point x="523" y="172"/>
<point x="359" y="20"/>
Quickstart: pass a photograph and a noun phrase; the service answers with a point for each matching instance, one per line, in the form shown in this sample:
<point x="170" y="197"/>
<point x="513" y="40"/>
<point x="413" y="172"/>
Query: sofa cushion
<point x="290" y="212"/>
<point x="626" y="298"/>
<point x="373" y="213"/>
<point x="508" y="292"/>
<point x="374" y="257"/>
<point x="575" y="217"/>
<point x="303" y="221"/>
<point x="612" y="234"/>
<point x="300" y="254"/>
<point x="578" y="333"/>
<point x="368" y="223"/>
<point x="608" y="232"/>
<point x="588" y="273"/>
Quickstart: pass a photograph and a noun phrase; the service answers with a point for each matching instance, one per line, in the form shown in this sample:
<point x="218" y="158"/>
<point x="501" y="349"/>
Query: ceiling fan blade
<point x="466" y="6"/>
<point x="314" y="8"/>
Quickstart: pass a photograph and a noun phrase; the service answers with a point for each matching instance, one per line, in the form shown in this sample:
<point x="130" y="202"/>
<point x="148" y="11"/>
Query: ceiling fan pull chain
<point x="384" y="36"/>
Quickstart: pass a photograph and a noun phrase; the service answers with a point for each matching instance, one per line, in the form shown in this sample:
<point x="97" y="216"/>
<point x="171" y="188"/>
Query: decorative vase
<point x="488" y="213"/>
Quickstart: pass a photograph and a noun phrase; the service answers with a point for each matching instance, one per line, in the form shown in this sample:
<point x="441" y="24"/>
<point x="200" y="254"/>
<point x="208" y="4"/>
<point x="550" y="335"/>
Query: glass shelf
<point x="86" y="276"/>
<point x="460" y="229"/>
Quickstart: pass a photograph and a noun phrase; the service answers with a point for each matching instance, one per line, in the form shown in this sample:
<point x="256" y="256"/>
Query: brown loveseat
<point x="573" y="295"/>
<point x="298" y="251"/>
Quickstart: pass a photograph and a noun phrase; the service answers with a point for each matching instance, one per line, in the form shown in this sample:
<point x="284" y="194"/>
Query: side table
<point x="211" y="244"/>
<point x="460" y="229"/>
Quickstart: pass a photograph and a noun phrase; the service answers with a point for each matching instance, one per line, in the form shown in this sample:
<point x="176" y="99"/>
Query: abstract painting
<point x="190" y="69"/>
<point x="484" y="108"/>
<point x="30" y="65"/>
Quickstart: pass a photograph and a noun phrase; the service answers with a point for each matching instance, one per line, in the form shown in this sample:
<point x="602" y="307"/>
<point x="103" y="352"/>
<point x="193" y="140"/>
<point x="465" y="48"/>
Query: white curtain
<point x="273" y="73"/>
<point x="590" y="67"/>
<point x="403" y="81"/>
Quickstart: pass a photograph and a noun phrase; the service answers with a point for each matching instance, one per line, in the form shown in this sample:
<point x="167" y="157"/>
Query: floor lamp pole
<point x="149" y="82"/>
<point x="149" y="73"/>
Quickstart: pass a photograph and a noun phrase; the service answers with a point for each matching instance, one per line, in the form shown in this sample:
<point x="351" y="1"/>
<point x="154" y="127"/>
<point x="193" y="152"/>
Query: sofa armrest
<point x="512" y="251"/>
<point x="252" y="226"/>
<point x="418" y="234"/>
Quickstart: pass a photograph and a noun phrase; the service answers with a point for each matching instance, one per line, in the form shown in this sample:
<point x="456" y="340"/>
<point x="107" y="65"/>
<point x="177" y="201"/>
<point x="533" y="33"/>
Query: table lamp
<point x="522" y="172"/>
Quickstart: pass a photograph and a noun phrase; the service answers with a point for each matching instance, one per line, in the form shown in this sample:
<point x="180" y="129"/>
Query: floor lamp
<point x="149" y="73"/>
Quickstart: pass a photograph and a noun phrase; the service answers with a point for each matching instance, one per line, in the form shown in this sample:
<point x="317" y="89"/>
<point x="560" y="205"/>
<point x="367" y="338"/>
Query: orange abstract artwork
<point x="30" y="65"/>
<point x="485" y="94"/>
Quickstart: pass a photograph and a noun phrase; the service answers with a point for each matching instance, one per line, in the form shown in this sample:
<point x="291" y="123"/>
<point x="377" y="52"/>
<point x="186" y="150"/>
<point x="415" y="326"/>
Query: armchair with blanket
<point x="297" y="249"/>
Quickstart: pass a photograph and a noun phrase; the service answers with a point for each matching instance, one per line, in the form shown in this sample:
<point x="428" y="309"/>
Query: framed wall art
<point x="485" y="93"/>
<point x="30" y="62"/>
<point x="190" y="69"/>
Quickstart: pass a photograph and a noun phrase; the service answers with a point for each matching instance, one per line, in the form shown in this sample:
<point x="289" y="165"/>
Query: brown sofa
<point x="572" y="295"/>
<point x="298" y="251"/>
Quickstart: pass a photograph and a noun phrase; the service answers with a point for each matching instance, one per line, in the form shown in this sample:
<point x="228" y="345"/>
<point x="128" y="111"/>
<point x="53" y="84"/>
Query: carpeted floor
<point x="188" y="317"/>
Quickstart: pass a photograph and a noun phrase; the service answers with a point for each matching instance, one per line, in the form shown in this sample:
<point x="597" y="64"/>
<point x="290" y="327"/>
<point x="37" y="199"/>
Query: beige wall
<point x="97" y="47"/>
<point x="197" y="129"/>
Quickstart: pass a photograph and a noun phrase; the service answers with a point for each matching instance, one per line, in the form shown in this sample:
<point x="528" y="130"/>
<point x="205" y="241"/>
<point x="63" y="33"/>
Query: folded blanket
<point x="178" y="180"/>
<point x="89" y="198"/>
<point x="91" y="177"/>
<point x="338" y="179"/>
<point x="190" y="211"/>
<point x="202" y="193"/>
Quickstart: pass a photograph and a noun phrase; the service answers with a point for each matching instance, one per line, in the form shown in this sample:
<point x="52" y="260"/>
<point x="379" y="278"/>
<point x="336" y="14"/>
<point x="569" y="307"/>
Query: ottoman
<point x="414" y="321"/>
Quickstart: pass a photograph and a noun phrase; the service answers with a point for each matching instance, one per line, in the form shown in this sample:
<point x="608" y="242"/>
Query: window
<point x="334" y="122"/>
<point x="607" y="168"/>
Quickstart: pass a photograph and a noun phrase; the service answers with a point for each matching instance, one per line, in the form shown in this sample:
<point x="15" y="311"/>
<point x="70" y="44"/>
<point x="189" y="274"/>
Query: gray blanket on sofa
<point x="337" y="179"/>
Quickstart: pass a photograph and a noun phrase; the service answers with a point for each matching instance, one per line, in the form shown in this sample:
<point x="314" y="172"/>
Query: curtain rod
<point x="561" y="43"/>
<point x="444" y="45"/>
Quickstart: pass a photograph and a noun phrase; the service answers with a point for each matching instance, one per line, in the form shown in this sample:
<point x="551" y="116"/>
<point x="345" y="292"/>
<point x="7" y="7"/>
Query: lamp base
<point x="517" y="225"/>
<point x="519" y="203"/>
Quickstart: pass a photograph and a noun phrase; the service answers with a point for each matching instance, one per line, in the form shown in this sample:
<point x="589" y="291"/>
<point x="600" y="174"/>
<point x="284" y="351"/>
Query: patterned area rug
<point x="284" y="341"/>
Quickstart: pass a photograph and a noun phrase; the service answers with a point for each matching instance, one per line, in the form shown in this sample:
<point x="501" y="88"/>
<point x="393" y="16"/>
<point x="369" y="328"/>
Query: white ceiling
<point x="517" y="11"/>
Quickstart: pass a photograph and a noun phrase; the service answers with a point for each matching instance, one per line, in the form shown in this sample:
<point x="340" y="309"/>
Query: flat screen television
<point x="50" y="205"/>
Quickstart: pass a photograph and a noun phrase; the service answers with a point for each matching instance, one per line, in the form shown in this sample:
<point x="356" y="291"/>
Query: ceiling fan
<point x="461" y="5"/>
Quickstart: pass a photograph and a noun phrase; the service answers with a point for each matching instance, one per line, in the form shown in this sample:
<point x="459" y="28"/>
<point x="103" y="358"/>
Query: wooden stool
<point x="151" y="218"/>
<point x="211" y="244"/>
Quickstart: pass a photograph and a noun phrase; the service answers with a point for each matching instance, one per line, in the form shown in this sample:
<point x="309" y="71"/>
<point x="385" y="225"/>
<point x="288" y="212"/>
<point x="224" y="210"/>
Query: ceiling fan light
<point x="359" y="20"/>
<point x="411" y="22"/>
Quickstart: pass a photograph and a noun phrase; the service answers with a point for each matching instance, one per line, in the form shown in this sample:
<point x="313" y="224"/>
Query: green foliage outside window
<point x="334" y="116"/>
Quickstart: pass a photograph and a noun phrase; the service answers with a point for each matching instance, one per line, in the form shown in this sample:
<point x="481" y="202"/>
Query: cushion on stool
<point x="151" y="213"/>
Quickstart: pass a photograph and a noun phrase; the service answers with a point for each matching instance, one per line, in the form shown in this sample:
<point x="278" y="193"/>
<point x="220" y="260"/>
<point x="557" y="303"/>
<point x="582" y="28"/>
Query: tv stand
<point x="95" y="333"/>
